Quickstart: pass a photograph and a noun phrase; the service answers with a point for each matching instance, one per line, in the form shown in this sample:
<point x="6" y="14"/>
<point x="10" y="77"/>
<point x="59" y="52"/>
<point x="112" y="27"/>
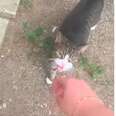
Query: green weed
<point x="26" y="3"/>
<point x="94" y="70"/>
<point x="48" y="46"/>
<point x="38" y="37"/>
<point x="35" y="35"/>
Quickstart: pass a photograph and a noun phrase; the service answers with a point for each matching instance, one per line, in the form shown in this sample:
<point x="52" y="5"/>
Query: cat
<point x="80" y="21"/>
<point x="76" y="27"/>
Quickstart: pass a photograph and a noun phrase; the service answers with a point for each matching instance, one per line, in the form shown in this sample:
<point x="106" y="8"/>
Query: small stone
<point x="10" y="100"/>
<point x="104" y="52"/>
<point x="9" y="50"/>
<point x="2" y="56"/>
<point x="41" y="106"/>
<point x="4" y="105"/>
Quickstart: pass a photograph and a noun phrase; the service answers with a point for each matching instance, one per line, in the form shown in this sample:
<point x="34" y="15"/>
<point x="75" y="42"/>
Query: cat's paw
<point x="48" y="81"/>
<point x="83" y="49"/>
<point x="93" y="28"/>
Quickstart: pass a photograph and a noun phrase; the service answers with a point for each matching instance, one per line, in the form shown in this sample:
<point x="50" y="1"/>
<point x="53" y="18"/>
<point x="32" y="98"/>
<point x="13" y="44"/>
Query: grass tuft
<point x="93" y="69"/>
<point x="38" y="37"/>
<point x="26" y="3"/>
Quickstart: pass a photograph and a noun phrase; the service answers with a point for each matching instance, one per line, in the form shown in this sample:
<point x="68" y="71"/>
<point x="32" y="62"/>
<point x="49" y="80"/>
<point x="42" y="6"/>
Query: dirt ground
<point x="22" y="80"/>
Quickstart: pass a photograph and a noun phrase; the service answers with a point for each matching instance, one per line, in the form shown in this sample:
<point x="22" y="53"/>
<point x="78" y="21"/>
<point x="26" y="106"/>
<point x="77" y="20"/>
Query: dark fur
<point x="77" y="25"/>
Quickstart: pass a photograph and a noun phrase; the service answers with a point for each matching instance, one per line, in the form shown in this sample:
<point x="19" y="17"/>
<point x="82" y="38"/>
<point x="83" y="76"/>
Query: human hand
<point x="76" y="97"/>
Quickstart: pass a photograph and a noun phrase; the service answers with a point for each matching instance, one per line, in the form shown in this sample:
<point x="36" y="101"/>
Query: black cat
<point x="83" y="18"/>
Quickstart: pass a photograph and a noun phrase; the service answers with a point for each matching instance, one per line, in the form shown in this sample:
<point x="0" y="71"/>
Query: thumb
<point x="59" y="86"/>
